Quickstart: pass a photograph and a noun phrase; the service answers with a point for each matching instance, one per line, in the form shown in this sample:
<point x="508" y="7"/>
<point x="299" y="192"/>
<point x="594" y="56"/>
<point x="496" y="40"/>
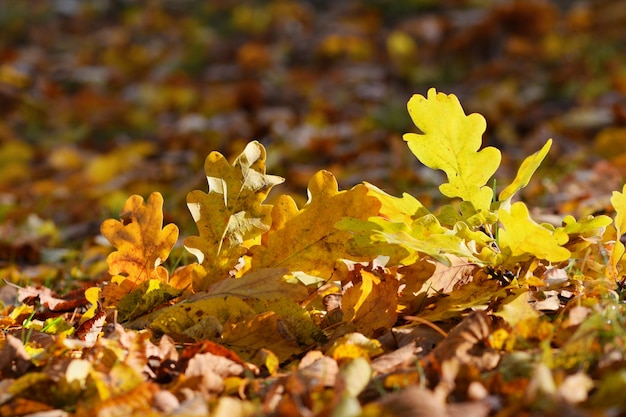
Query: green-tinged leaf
<point x="144" y="299"/>
<point x="425" y="236"/>
<point x="142" y="242"/>
<point x="230" y="213"/>
<point x="450" y="142"/>
<point x="467" y="214"/>
<point x="307" y="240"/>
<point x="525" y="172"/>
<point x="368" y="241"/>
<point x="587" y="226"/>
<point x="521" y="238"/>
<point x="176" y="319"/>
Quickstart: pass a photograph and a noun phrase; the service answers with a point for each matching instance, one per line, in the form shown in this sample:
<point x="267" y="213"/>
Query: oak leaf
<point x="230" y="213"/>
<point x="142" y="242"/>
<point x="450" y="141"/>
<point x="306" y="239"/>
<point x="266" y="330"/>
<point x="371" y="303"/>
<point x="525" y="172"/>
<point x="522" y="238"/>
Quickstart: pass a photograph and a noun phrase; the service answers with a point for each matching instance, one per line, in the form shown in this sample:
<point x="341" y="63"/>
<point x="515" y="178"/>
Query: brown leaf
<point x="413" y="402"/>
<point x="14" y="360"/>
<point x="50" y="299"/>
<point x="210" y="370"/>
<point x="467" y="343"/>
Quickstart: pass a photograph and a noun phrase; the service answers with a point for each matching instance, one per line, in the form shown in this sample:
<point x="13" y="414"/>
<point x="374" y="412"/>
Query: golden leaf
<point x="307" y="239"/>
<point x="142" y="242"/>
<point x="522" y="237"/>
<point x="230" y="213"/>
<point x="371" y="304"/>
<point x="450" y="142"/>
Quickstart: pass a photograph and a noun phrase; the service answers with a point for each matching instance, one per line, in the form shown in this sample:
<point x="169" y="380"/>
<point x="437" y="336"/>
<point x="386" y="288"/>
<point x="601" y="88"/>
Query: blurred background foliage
<point x="107" y="98"/>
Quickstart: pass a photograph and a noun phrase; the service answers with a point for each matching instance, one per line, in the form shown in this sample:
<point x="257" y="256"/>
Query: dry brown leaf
<point x="467" y="343"/>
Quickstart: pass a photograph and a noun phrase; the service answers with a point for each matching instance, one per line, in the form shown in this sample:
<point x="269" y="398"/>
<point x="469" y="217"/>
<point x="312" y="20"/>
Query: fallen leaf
<point x="520" y="238"/>
<point x="142" y="244"/>
<point x="306" y="240"/>
<point x="230" y="213"/>
<point x="371" y="304"/>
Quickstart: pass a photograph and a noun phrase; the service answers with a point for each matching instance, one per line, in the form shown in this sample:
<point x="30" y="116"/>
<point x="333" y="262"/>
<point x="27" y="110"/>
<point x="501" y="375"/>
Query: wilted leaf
<point x="476" y="294"/>
<point x="230" y="213"/>
<point x="264" y="331"/>
<point x="307" y="240"/>
<point x="450" y="142"/>
<point x="466" y="343"/>
<point x="142" y="244"/>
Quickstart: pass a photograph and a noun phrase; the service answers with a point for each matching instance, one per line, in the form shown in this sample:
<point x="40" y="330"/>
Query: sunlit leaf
<point x="142" y="242"/>
<point x="92" y="295"/>
<point x="521" y="237"/>
<point x="450" y="141"/>
<point x="307" y="240"/>
<point x="230" y="213"/>
<point x="525" y="172"/>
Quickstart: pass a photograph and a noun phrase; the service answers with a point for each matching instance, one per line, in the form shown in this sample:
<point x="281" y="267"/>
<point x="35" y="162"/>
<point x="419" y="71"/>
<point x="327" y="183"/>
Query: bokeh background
<point x="103" y="99"/>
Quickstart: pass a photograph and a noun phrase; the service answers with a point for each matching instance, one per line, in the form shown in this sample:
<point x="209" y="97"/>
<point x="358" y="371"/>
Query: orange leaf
<point x="371" y="304"/>
<point x="142" y="242"/>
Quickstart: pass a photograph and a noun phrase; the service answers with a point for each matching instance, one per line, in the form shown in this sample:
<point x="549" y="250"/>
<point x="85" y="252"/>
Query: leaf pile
<point x="355" y="303"/>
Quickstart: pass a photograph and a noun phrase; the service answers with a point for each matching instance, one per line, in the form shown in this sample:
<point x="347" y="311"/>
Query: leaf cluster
<point x="507" y="299"/>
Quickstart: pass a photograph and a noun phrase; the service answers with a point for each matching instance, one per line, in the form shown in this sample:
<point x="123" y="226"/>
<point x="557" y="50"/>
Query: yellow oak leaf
<point x="525" y="172"/>
<point x="397" y="209"/>
<point x="450" y="141"/>
<point x="230" y="213"/>
<point x="307" y="240"/>
<point x="521" y="237"/>
<point x="142" y="242"/>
